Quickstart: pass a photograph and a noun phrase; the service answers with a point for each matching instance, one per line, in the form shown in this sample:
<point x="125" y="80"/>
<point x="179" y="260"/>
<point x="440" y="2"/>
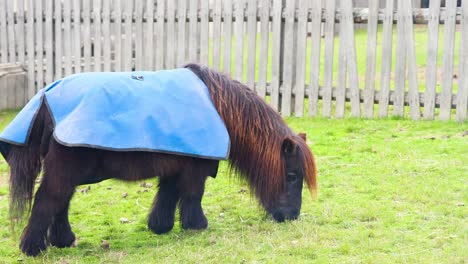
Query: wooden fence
<point x="282" y="49"/>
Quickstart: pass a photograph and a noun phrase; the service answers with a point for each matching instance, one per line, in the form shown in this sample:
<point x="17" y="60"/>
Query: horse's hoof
<point x="198" y="224"/>
<point x="63" y="241"/>
<point x="32" y="248"/>
<point x="160" y="229"/>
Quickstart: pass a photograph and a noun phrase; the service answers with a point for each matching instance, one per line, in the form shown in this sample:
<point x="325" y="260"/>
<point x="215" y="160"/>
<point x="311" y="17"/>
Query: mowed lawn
<point x="390" y="191"/>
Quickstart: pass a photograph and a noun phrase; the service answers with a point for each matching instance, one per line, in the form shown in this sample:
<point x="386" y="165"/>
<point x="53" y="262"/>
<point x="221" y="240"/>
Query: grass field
<point x="390" y="191"/>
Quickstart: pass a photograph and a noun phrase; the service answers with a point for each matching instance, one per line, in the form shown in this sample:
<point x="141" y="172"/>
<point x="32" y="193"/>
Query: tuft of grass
<point x="390" y="191"/>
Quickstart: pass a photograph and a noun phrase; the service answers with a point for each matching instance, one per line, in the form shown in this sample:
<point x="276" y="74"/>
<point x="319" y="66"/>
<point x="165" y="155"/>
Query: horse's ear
<point x="289" y="146"/>
<point x="303" y="136"/>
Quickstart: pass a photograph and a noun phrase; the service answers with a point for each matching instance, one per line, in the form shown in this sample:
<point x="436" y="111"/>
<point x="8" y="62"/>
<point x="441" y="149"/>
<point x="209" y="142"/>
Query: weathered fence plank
<point x="67" y="36"/>
<point x="315" y="41"/>
<point x="251" y="42"/>
<point x="181" y="26"/>
<point x="216" y="53"/>
<point x="171" y="35"/>
<point x="264" y="47"/>
<point x="462" y="96"/>
<point x="328" y="64"/>
<point x="386" y="66"/>
<point x="276" y="54"/>
<point x="401" y="57"/>
<point x="20" y="41"/>
<point x="3" y="32"/>
<point x="227" y="41"/>
<point x="86" y="17"/>
<point x="301" y="55"/>
<point x="39" y="45"/>
<point x="58" y="72"/>
<point x="288" y="59"/>
<point x="160" y="35"/>
<point x="447" y="64"/>
<point x="239" y="38"/>
<point x="118" y="33"/>
<point x="49" y="41"/>
<point x="149" y="35"/>
<point x="431" y="60"/>
<point x="369" y="89"/>
<point x="106" y="33"/>
<point x="10" y="12"/>
<point x="138" y="40"/>
<point x="413" y="90"/>
<point x="98" y="34"/>
<point x="77" y="34"/>
<point x="204" y="32"/>
<point x="193" y="20"/>
<point x="30" y="46"/>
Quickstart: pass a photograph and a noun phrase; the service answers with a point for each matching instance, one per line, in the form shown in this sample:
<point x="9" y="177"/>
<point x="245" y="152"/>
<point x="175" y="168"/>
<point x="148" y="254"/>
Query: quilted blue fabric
<point x="167" y="111"/>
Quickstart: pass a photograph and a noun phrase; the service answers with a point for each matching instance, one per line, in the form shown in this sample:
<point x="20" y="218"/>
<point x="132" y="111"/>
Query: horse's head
<point x="288" y="206"/>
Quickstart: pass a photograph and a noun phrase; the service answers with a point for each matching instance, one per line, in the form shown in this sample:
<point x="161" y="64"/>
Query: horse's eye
<point x="291" y="177"/>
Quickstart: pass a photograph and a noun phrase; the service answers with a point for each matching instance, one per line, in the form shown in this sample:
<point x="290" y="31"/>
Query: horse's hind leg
<point x="161" y="217"/>
<point x="60" y="233"/>
<point x="47" y="203"/>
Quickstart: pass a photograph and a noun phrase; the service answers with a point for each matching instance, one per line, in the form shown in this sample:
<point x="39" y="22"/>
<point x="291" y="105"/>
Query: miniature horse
<point x="264" y="151"/>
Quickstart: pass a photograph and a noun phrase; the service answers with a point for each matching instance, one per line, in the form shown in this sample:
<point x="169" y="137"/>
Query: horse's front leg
<point x="192" y="188"/>
<point x="48" y="202"/>
<point x="161" y="217"/>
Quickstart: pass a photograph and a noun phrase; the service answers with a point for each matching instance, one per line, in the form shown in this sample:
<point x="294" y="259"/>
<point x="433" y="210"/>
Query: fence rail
<point x="274" y="46"/>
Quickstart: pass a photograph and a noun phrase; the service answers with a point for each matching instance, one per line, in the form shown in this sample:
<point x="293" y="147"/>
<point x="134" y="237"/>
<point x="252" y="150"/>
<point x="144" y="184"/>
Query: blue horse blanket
<point x="167" y="111"/>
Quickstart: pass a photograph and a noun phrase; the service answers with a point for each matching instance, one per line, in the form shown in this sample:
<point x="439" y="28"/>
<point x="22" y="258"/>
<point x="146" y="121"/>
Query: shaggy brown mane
<point x="257" y="133"/>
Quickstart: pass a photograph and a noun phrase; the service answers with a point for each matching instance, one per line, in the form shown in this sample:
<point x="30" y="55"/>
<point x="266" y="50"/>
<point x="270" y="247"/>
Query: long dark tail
<point x="25" y="165"/>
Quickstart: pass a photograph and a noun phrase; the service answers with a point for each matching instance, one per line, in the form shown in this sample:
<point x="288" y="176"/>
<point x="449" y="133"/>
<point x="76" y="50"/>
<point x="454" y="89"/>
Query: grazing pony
<point x="264" y="151"/>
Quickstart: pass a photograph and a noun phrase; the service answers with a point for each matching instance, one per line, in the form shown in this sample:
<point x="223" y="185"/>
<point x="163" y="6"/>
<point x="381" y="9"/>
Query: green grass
<point x="390" y="191"/>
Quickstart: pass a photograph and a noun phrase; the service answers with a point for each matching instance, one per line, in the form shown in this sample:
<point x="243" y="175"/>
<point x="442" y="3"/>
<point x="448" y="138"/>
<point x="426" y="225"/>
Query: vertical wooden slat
<point x="276" y="54"/>
<point x="138" y="11"/>
<point x="86" y="35"/>
<point x="49" y="41"/>
<point x="67" y="43"/>
<point x="251" y="42"/>
<point x="369" y="89"/>
<point x="181" y="32"/>
<point x="11" y="31"/>
<point x="39" y="45"/>
<point x="301" y="53"/>
<point x="227" y="40"/>
<point x="315" y="39"/>
<point x="58" y="34"/>
<point x="118" y="35"/>
<point x="386" y="66"/>
<point x="288" y="61"/>
<point x="340" y="100"/>
<point x="352" y="60"/>
<point x="328" y="64"/>
<point x="204" y="32"/>
<point x="3" y="32"/>
<point x="193" y="20"/>
<point x="127" y="47"/>
<point x="431" y="59"/>
<point x="413" y="91"/>
<point x="20" y="41"/>
<point x="447" y="64"/>
<point x="239" y="38"/>
<point x="30" y="46"/>
<point x="160" y="35"/>
<point x="149" y="57"/>
<point x="170" y="59"/>
<point x="106" y="43"/>
<point x="77" y="34"/>
<point x="462" y="95"/>
<point x="217" y="34"/>
<point x="401" y="56"/>
<point x="264" y="12"/>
